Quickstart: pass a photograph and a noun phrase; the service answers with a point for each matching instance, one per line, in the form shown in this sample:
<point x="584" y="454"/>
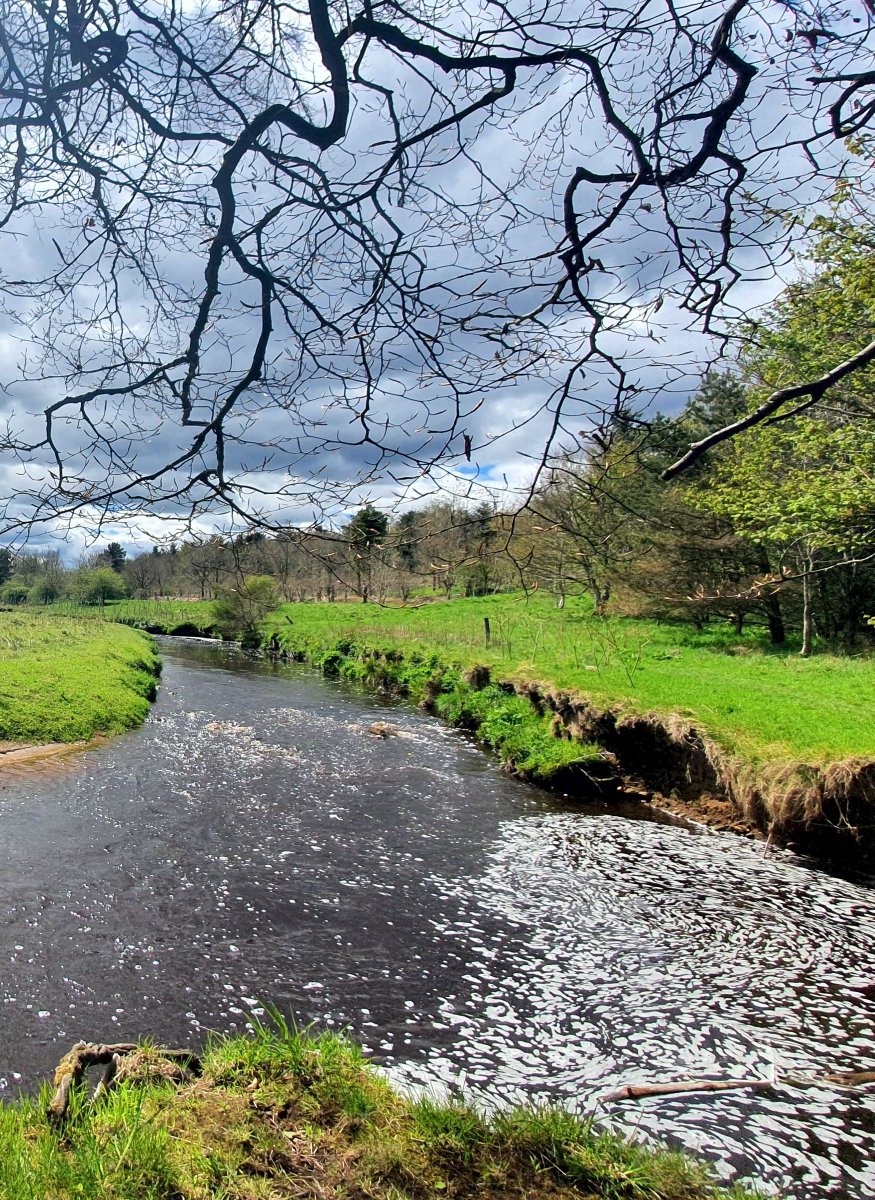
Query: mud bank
<point x="16" y="753"/>
<point x="566" y="744"/>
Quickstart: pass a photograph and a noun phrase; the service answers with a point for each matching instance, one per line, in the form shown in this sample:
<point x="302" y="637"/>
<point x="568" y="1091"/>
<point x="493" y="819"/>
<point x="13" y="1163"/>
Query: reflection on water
<point x="253" y="843"/>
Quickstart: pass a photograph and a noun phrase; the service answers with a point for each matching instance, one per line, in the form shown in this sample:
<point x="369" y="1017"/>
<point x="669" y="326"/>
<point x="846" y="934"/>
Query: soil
<point x="13" y="753"/>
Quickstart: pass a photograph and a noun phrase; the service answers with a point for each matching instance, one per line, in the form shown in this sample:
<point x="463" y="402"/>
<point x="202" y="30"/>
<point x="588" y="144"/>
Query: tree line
<point x="775" y="527"/>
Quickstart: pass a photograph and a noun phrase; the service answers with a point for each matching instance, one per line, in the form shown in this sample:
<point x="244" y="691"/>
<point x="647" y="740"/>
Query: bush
<point x="97" y="585"/>
<point x="44" y="591"/>
<point x="14" y="593"/>
<point x="239" y="608"/>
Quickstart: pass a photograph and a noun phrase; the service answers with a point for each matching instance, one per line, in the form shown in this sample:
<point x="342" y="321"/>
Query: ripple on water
<point x="642" y="953"/>
<point x="251" y="843"/>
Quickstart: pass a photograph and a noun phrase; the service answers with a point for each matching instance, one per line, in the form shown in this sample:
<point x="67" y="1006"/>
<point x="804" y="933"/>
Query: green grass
<point x="65" y="679"/>
<point x="766" y="705"/>
<point x="285" y="1113"/>
<point x="160" y="616"/>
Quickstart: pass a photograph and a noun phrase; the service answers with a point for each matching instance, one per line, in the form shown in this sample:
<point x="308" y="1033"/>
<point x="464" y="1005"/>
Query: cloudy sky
<point x="415" y="317"/>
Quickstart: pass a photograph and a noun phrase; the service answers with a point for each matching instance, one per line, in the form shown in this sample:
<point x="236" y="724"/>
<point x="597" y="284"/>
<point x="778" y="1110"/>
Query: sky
<point x="416" y="350"/>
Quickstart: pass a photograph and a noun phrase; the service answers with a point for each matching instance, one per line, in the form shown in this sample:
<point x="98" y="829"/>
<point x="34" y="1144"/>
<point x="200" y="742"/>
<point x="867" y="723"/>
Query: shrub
<point x="239" y="608"/>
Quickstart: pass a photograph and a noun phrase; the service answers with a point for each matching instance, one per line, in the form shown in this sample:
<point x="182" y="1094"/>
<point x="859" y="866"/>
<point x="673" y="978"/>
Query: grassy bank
<point x="785" y="746"/>
<point x="183" y="618"/>
<point x="765" y="704"/>
<point x="789" y="744"/>
<point x="66" y="679"/>
<point x="284" y="1114"/>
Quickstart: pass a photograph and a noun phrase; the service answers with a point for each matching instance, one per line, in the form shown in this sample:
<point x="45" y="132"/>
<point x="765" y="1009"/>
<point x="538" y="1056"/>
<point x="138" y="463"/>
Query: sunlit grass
<point x="283" y="1113"/>
<point x="766" y="704"/>
<point x="65" y="678"/>
<point x="161" y="616"/>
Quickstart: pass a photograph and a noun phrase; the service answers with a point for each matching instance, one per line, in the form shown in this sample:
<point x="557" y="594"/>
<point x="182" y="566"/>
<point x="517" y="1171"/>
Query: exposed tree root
<point x="825" y="810"/>
<point x="121" y="1060"/>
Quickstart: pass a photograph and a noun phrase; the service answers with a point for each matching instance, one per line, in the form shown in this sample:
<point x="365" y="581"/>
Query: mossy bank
<point x="286" y="1114"/>
<point x="67" y="680"/>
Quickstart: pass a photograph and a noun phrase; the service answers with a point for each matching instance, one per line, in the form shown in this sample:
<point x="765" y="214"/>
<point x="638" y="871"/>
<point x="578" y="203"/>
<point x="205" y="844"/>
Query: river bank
<point x="280" y="1113"/>
<point x="712" y="725"/>
<point x="66" y="681"/>
<point x="253" y="840"/>
<point x="735" y="763"/>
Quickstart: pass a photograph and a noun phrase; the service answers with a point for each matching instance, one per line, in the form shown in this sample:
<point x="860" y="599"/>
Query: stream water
<point x="253" y="843"/>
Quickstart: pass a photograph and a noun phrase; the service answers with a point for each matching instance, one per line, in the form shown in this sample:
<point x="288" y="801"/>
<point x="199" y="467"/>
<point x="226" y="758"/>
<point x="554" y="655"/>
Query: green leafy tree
<point x="807" y="488"/>
<point x="96" y="585"/>
<point x="15" y="591"/>
<point x="824" y="318"/>
<point x="366" y="534"/>
<point x="240" y="607"/>
<point x="46" y="590"/>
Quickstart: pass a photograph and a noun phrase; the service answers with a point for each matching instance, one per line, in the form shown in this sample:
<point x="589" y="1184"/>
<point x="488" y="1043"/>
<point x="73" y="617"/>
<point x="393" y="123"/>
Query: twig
<point x="633" y="1091"/>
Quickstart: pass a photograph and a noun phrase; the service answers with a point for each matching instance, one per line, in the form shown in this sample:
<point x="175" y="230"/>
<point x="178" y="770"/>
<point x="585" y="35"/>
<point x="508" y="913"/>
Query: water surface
<point x="252" y="842"/>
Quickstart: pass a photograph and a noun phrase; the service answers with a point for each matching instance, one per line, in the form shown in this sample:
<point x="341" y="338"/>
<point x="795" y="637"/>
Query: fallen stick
<point x="637" y="1091"/>
<point x="851" y="1078"/>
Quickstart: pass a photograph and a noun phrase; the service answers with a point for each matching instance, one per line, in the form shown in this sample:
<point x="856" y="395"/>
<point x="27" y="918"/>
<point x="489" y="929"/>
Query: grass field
<point x="65" y="679"/>
<point x="281" y="1114"/>
<point x="163" y="616"/>
<point x="765" y="704"/>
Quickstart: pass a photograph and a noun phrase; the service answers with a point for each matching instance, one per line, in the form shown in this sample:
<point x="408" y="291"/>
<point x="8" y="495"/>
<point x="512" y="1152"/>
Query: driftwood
<point x="851" y="1078"/>
<point x="635" y="1091"/>
<point x="121" y="1060"/>
<point x="639" y="1091"/>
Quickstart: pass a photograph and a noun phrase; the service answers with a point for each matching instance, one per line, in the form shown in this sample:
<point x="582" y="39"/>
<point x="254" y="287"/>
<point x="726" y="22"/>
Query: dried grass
<point x="821" y="809"/>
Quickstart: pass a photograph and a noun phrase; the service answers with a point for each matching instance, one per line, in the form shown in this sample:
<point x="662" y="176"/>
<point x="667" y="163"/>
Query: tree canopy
<point x="262" y="255"/>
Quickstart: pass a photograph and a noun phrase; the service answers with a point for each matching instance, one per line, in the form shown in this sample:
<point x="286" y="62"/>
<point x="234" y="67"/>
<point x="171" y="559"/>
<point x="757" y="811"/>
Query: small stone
<point x="383" y="729"/>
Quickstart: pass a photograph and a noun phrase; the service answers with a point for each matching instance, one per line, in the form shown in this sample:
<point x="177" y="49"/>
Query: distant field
<point x="168" y="614"/>
<point x="764" y="703"/>
<point x="65" y="679"/>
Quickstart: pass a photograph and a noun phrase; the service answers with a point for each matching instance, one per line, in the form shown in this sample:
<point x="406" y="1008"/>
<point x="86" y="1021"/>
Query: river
<point x="253" y="843"/>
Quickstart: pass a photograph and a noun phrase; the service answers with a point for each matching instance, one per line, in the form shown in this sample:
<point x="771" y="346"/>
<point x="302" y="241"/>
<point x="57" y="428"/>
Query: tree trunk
<point x="777" y="632"/>
<point x="805" y="652"/>
<point x="772" y="605"/>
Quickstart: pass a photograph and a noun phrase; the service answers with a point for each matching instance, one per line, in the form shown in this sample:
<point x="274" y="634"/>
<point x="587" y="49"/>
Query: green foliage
<point x="509" y="724"/>
<point x="113" y="556"/>
<point x="804" y="482"/>
<point x="762" y="703"/>
<point x="825" y="317"/>
<point x="65" y="680"/>
<point x="96" y="585"/>
<point x="46" y="590"/>
<point x="161" y="616"/>
<point x="240" y="608"/>
<point x="15" y="591"/>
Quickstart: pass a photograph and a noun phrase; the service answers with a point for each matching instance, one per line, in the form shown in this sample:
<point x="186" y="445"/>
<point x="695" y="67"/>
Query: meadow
<point x="763" y="703"/>
<point x="68" y="678"/>
<point x="160" y="616"/>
